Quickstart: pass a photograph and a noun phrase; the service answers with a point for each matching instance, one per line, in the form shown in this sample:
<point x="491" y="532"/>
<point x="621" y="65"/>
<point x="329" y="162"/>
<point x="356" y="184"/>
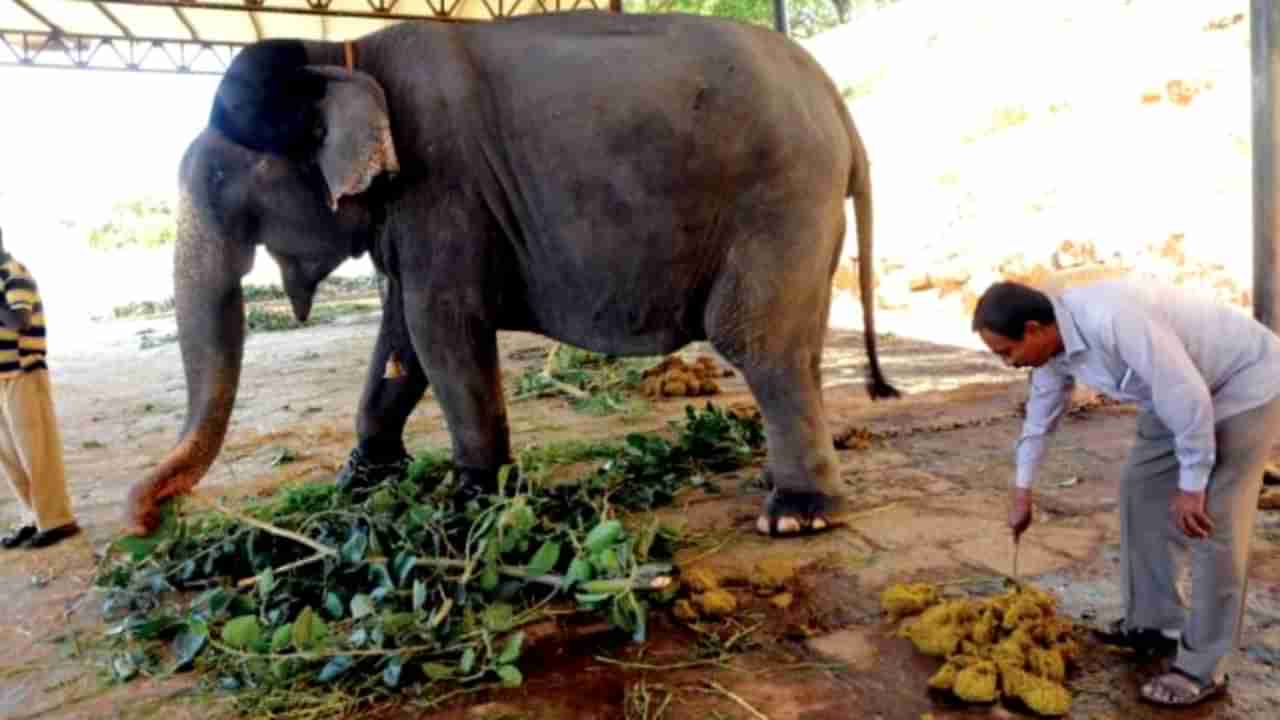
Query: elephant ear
<point x="357" y="144"/>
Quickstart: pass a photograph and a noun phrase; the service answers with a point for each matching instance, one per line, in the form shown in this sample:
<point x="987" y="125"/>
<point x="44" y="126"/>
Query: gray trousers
<point x="1219" y="563"/>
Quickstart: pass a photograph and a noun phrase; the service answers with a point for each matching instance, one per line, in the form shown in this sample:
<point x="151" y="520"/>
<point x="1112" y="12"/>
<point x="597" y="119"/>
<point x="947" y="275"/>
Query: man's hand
<point x="1190" y="516"/>
<point x="1019" y="511"/>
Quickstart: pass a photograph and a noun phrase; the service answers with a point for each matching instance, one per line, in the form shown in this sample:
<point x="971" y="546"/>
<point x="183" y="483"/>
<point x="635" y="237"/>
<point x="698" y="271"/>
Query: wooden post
<point x="780" y="17"/>
<point x="1264" y="22"/>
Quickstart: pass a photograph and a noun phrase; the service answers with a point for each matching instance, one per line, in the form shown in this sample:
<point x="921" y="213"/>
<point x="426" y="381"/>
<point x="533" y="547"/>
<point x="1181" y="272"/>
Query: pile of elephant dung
<point x="709" y="597"/>
<point x="1012" y="645"/>
<point x="673" y="377"/>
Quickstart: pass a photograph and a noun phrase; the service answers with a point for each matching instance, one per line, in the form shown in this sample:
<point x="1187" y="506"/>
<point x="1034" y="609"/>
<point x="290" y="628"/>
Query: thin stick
<point x="746" y="705"/>
<point x="265" y="527"/>
<point x="672" y="666"/>
<point x="251" y="581"/>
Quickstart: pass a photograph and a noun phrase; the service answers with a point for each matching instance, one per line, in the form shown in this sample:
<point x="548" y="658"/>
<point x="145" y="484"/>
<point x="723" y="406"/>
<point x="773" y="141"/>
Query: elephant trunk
<point x="211" y="331"/>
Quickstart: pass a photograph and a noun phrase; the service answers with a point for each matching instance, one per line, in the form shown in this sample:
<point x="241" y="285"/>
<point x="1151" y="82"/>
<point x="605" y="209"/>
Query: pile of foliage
<point x="319" y="599"/>
<point x="596" y="384"/>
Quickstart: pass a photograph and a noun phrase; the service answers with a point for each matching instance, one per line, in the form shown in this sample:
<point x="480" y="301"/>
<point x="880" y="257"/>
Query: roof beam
<point x="264" y="7"/>
<point x="124" y="30"/>
<point x="33" y="13"/>
<point x="186" y="23"/>
<point x="54" y="50"/>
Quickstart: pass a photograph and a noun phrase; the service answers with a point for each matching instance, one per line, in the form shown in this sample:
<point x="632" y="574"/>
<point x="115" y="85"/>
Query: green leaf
<point x="361" y="606"/>
<point x="281" y="638"/>
<point x="333" y="605"/>
<point x="498" y="617"/>
<point x="309" y="631"/>
<point x="419" y="595"/>
<point x="403" y="566"/>
<point x="394" y="623"/>
<point x="603" y="535"/>
<point x="608" y="562"/>
<point x="489" y="577"/>
<point x="511" y="652"/>
<point x="579" y="571"/>
<point x="123" y="667"/>
<point x="189" y="643"/>
<point x="353" y="550"/>
<point x="334" y="668"/>
<point x="391" y="673"/>
<point x="242" y="632"/>
<point x="510" y="675"/>
<point x="266" y="584"/>
<point x="645" y="542"/>
<point x="437" y="671"/>
<point x="545" y="559"/>
<point x="468" y="661"/>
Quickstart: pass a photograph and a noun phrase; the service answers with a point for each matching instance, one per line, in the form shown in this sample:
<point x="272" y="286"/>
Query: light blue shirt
<point x="1188" y="360"/>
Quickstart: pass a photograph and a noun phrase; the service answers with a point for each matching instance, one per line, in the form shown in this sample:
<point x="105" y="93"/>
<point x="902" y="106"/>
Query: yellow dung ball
<point x="900" y="600"/>
<point x="977" y="683"/>
<point x="1045" y="697"/>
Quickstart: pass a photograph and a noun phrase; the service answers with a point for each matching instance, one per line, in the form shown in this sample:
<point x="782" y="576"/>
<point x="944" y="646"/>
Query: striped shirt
<point x="21" y="350"/>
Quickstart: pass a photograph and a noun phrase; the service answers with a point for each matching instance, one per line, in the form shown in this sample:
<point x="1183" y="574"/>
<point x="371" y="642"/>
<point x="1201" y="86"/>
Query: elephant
<point x="624" y="183"/>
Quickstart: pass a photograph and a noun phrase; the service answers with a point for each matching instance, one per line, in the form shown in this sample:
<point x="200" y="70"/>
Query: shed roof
<point x="201" y="36"/>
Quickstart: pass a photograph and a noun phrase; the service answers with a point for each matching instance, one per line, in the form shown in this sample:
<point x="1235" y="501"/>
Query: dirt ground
<point x="925" y="502"/>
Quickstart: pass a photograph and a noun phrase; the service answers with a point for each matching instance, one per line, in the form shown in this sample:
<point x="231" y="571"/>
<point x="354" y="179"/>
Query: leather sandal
<point x="1176" y="693"/>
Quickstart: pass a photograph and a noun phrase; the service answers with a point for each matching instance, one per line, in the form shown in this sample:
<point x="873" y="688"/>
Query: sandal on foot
<point x="788" y="513"/>
<point x="1178" y="688"/>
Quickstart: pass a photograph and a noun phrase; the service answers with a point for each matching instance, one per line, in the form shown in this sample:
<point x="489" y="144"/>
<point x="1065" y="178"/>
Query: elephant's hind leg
<point x="776" y="341"/>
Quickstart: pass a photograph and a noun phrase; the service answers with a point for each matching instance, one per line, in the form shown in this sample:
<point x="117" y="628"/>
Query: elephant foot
<point x="792" y="513"/>
<point x="361" y="472"/>
<point x="476" y="482"/>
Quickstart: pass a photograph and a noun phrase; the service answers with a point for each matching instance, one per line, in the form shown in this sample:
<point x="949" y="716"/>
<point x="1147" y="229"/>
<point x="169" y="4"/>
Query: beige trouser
<point x="31" y="450"/>
<point x="1219" y="563"/>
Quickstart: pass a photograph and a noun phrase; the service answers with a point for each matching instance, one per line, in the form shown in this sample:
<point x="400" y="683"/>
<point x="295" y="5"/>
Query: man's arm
<point x="1050" y="393"/>
<point x="1179" y="394"/>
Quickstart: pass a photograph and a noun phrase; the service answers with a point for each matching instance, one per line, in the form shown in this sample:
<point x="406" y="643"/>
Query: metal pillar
<point x="1264" y="24"/>
<point x="780" y="17"/>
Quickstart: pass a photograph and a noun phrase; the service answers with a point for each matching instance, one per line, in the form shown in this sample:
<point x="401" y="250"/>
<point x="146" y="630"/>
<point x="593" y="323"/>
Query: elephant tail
<point x="860" y="190"/>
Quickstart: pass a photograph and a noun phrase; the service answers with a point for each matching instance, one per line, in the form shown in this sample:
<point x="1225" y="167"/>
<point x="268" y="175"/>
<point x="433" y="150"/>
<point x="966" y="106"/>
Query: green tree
<point x="806" y="18"/>
<point x="146" y="222"/>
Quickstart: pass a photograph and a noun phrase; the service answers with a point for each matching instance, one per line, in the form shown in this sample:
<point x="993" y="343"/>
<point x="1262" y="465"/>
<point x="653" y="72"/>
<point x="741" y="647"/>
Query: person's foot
<point x="53" y="536"/>
<point x="1178" y="688"/>
<point x="1143" y="641"/>
<point x="18" y="536"/>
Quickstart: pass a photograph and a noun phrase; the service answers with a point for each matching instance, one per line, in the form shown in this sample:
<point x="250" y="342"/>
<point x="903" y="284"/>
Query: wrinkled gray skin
<point x="623" y="183"/>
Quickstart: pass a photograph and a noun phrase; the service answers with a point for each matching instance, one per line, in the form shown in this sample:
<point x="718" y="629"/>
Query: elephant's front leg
<point x="459" y="345"/>
<point x="394" y="385"/>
